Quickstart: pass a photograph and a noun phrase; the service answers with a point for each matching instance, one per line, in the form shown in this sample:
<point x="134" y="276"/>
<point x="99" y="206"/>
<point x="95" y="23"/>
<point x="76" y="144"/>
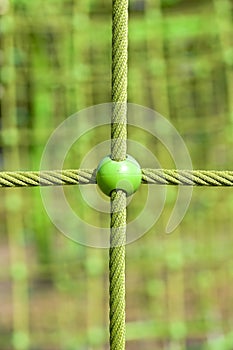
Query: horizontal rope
<point x="47" y="178"/>
<point x="88" y="176"/>
<point x="187" y="177"/>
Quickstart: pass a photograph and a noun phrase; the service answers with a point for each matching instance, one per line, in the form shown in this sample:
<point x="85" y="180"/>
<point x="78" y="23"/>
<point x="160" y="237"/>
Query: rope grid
<point x="118" y="197"/>
<point x="88" y="176"/>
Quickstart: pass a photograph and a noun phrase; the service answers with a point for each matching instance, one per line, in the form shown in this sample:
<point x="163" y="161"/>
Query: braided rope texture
<point x="47" y="178"/>
<point x="119" y="79"/>
<point x="88" y="176"/>
<point x="117" y="271"/>
<point x="118" y="153"/>
<point x="188" y="177"/>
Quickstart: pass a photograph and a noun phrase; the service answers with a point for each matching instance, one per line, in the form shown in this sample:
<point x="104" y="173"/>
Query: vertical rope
<point x="119" y="79"/>
<point x="118" y="153"/>
<point x="117" y="271"/>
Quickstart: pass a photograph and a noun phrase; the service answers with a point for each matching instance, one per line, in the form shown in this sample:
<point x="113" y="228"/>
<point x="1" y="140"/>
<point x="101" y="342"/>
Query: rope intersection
<point x="118" y="197"/>
<point x="88" y="176"/>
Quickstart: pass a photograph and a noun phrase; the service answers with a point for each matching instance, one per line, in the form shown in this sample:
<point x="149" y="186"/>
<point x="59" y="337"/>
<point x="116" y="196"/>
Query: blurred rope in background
<point x="55" y="60"/>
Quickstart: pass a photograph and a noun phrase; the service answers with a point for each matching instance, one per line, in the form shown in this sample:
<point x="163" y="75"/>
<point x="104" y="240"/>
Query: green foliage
<point x="170" y="3"/>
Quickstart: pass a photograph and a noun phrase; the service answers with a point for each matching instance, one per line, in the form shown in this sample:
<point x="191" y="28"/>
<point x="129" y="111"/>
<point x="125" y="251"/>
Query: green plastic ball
<point x="124" y="175"/>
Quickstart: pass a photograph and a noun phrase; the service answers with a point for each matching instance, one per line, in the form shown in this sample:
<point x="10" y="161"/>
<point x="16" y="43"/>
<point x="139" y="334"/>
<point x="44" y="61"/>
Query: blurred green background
<point x="55" y="59"/>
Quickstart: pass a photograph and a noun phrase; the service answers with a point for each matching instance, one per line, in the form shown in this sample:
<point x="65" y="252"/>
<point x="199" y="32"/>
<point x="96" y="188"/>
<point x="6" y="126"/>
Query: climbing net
<point x="118" y="196"/>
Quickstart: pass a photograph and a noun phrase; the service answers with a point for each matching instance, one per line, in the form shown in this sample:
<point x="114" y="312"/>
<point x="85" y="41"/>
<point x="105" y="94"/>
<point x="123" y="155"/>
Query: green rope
<point x="119" y="79"/>
<point x="118" y="197"/>
<point x="117" y="271"/>
<point x="47" y="178"/>
<point x="187" y="177"/>
<point x="118" y="153"/>
<point x="88" y="176"/>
